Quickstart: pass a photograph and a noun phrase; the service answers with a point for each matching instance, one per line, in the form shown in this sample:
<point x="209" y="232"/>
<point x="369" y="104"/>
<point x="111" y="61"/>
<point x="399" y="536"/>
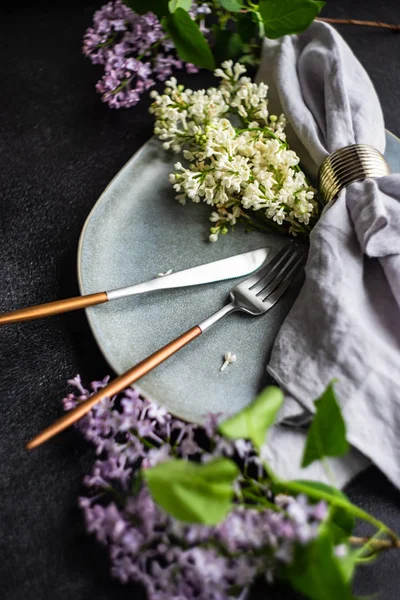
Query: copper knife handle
<point x="116" y="386"/>
<point x="53" y="308"/>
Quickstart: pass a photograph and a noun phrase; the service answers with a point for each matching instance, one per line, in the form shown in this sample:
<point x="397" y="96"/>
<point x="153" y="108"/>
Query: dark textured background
<point x="59" y="147"/>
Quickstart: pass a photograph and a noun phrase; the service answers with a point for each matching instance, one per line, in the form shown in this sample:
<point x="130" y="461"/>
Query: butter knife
<point x="226" y="268"/>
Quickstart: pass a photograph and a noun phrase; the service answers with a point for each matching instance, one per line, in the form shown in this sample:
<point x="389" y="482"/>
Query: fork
<point x="255" y="296"/>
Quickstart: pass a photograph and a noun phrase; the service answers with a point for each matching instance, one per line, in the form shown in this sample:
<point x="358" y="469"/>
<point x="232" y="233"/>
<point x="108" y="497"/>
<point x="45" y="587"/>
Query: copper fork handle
<point x="53" y="308"/>
<point x="116" y="386"/>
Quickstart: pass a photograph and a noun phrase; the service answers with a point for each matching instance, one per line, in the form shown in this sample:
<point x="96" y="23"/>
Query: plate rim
<point x="80" y="252"/>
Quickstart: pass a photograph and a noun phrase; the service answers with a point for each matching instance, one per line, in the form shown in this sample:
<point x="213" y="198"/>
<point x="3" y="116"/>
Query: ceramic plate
<point x="137" y="230"/>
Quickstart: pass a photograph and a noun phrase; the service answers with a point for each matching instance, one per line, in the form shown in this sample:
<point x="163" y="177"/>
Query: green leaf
<point x="231" y="5"/>
<point x="253" y="422"/>
<point x="191" y="492"/>
<point x="283" y="17"/>
<point x="190" y="43"/>
<point x="248" y="59"/>
<point x="228" y="45"/>
<point x="327" y="433"/>
<point x="341" y="521"/>
<point x="316" y="571"/>
<point x="158" y="7"/>
<point x="348" y="563"/>
<point x="246" y="27"/>
<point x="174" y="4"/>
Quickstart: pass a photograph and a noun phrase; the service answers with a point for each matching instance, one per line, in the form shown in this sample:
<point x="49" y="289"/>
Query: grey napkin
<point x="345" y="323"/>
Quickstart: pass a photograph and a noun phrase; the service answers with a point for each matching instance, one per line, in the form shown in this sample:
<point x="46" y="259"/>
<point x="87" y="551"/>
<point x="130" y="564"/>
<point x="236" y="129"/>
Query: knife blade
<point x="226" y="268"/>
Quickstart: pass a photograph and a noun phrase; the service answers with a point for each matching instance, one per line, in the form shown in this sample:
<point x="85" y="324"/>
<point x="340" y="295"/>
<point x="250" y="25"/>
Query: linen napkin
<point x="345" y="324"/>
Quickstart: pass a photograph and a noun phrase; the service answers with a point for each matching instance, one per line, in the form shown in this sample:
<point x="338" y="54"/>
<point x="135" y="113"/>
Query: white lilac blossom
<point x="169" y="558"/>
<point x="238" y="159"/>
<point x="135" y="51"/>
<point x="228" y="359"/>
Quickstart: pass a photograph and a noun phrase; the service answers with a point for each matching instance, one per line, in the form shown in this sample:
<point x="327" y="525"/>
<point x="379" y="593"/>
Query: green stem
<point x="111" y="490"/>
<point x="144" y="441"/>
<point x="152" y="47"/>
<point x="122" y="85"/>
<point x="254" y="9"/>
<point x="265" y="503"/>
<point x="260" y="22"/>
<point x="370" y="545"/>
<point x="366" y="560"/>
<point x="253" y="507"/>
<point x="124" y="82"/>
<point x="264" y="130"/>
<point x="108" y="42"/>
<point x="295" y="486"/>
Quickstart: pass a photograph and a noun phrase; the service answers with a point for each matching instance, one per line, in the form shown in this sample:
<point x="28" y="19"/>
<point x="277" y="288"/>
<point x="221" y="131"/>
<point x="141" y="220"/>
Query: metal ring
<point x="349" y="164"/>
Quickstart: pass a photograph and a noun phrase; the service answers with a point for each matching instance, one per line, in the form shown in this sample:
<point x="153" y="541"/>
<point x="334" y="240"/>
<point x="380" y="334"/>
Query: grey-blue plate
<point x="136" y="230"/>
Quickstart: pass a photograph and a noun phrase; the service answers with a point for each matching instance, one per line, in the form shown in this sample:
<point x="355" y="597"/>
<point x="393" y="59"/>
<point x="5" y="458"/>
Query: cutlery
<point x="226" y="268"/>
<point x="255" y="296"/>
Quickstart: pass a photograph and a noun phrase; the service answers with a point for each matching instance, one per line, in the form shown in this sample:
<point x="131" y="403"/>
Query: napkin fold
<point x="345" y="324"/>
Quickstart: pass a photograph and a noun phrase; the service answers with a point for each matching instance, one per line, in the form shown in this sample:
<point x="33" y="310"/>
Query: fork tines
<point x="279" y="273"/>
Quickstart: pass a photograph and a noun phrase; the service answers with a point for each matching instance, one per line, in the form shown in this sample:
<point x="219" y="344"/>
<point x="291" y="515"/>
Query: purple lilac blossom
<point x="112" y="19"/>
<point x="169" y="558"/>
<point x="134" y="50"/>
<point x="123" y="82"/>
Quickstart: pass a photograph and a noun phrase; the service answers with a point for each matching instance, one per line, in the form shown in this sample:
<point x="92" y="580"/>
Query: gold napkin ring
<point x="349" y="164"/>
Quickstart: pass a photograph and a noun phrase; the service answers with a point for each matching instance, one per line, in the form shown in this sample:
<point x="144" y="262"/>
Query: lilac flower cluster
<point x="134" y="50"/>
<point x="172" y="559"/>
